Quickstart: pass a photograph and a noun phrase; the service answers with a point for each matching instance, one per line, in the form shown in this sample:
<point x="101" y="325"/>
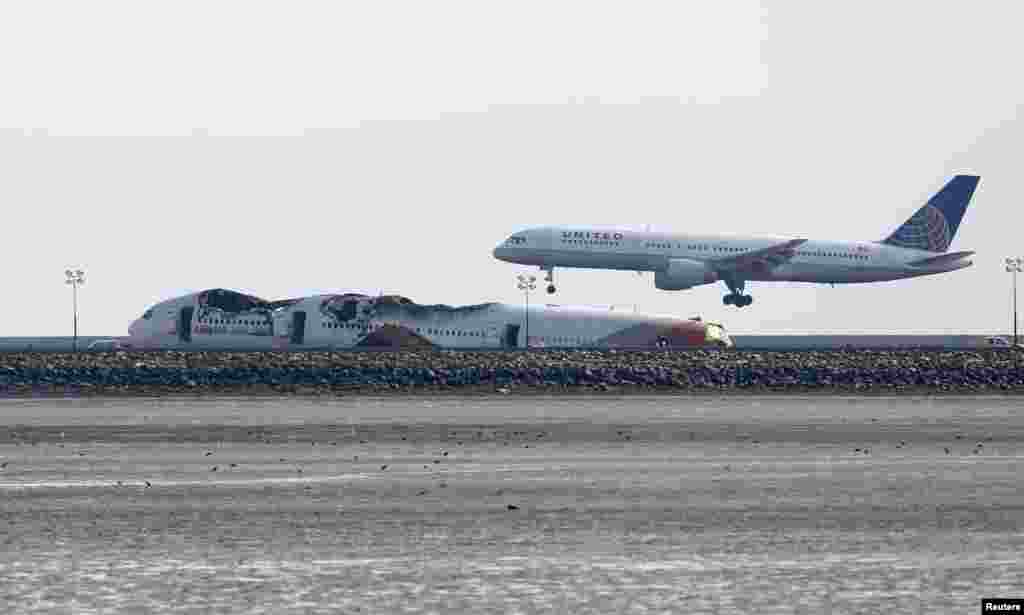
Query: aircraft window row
<point x="832" y="254"/>
<point x="659" y="245"/>
<point x="451" y="332"/>
<point x="706" y="247"/>
<point x="460" y="333"/>
<point x="337" y="325"/>
<point x="428" y="331"/>
<point x="222" y="321"/>
<point x="560" y="340"/>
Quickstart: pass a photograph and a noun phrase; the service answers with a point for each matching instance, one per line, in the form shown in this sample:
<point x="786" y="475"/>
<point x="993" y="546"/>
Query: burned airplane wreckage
<point x="220" y="319"/>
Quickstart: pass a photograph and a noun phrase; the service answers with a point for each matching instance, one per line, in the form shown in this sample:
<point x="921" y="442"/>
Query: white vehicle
<point x="681" y="260"/>
<point x="220" y="319"/>
<point x="996" y="341"/>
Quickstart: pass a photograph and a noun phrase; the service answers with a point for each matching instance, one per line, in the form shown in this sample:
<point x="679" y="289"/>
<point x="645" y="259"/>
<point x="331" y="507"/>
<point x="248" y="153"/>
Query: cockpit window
<point x="148" y="314"/>
<point x="515" y="240"/>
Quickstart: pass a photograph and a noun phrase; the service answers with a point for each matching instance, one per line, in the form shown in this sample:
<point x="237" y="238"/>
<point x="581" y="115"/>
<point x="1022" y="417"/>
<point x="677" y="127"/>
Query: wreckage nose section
<point x="715" y="335"/>
<point x="695" y="333"/>
<point x="669" y="334"/>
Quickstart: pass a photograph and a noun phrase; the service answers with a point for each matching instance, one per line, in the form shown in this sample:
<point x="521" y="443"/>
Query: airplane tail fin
<point x="933" y="227"/>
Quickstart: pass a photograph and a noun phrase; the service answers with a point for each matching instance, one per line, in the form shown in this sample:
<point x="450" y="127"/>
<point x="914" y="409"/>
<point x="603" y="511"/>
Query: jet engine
<point x="683" y="273"/>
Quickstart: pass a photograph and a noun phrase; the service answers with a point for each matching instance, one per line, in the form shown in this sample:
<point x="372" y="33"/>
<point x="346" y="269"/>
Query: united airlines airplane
<point x="681" y="261"/>
<point x="220" y="319"/>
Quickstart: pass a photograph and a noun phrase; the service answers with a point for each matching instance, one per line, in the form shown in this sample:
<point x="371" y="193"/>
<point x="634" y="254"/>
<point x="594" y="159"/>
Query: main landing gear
<point x="736" y="296"/>
<point x="549" y="277"/>
<point x="737" y="300"/>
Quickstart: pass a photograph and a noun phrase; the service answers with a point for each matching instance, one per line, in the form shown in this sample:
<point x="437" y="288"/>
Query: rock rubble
<point x="846" y="371"/>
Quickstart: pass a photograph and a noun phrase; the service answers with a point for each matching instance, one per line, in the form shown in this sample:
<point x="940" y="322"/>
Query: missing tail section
<point x="933" y="226"/>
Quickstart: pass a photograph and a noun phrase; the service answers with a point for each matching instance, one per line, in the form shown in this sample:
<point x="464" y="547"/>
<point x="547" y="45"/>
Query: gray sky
<point x="433" y="130"/>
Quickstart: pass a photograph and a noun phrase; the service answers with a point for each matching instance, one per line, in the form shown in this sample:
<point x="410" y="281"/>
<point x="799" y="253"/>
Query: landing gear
<point x="736" y="296"/>
<point x="737" y="300"/>
<point x="549" y="277"/>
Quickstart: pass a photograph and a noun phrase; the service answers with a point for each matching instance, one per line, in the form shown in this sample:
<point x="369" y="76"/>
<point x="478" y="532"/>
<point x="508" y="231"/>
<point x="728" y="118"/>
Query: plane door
<point x="185" y="323"/>
<point x="298" y="327"/>
<point x="511" y="338"/>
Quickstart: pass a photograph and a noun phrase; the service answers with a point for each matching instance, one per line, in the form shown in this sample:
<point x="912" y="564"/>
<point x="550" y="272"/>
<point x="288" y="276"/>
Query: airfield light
<point x="75" y="278"/>
<point x="1013" y="267"/>
<point x="526" y="283"/>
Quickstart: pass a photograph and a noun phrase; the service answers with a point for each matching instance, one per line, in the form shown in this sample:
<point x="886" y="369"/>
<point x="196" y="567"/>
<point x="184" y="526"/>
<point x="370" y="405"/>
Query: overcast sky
<point x="389" y="146"/>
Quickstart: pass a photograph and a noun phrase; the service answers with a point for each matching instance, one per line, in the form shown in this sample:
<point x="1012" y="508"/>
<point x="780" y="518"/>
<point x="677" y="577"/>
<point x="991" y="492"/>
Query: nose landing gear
<point x="736" y="296"/>
<point x="549" y="277"/>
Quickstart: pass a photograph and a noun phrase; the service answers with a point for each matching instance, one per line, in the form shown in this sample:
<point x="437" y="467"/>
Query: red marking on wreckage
<point x="693" y="334"/>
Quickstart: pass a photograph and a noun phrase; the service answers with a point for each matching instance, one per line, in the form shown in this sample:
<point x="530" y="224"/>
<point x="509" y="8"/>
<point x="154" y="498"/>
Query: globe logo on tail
<point x="933" y="227"/>
<point x="925" y="230"/>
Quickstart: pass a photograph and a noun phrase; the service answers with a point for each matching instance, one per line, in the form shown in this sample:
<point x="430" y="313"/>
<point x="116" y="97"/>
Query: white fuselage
<point x="350" y="321"/>
<point x="818" y="261"/>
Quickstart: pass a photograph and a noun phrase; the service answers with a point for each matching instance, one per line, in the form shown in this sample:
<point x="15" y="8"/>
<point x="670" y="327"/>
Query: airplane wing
<point x="758" y="260"/>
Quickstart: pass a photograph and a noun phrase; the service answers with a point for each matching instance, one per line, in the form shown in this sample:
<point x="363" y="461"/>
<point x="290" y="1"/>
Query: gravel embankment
<point x="313" y="373"/>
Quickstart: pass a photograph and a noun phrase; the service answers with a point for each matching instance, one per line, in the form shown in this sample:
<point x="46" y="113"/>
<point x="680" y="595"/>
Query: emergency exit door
<point x="185" y="323"/>
<point x="298" y="327"/>
<point x="511" y="339"/>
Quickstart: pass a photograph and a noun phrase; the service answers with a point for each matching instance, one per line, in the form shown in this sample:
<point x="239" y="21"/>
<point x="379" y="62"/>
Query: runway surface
<point x="511" y="505"/>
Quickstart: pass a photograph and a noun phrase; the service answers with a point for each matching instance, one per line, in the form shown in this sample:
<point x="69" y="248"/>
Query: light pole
<point x="1013" y="267"/>
<point x="526" y="284"/>
<point x="75" y="278"/>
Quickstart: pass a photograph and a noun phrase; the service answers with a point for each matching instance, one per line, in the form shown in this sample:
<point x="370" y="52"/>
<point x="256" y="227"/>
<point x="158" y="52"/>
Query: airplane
<point x="681" y="261"/>
<point x="221" y="319"/>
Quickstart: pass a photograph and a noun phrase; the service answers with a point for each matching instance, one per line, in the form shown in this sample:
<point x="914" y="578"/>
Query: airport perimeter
<point x="852" y="371"/>
<point x="742" y="342"/>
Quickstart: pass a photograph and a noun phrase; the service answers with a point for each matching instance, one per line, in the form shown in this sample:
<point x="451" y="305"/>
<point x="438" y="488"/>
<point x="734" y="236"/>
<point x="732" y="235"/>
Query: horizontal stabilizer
<point x="942" y="259"/>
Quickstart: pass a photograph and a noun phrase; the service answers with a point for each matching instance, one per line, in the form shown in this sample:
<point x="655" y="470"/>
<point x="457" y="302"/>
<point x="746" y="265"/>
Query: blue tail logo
<point x="933" y="227"/>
